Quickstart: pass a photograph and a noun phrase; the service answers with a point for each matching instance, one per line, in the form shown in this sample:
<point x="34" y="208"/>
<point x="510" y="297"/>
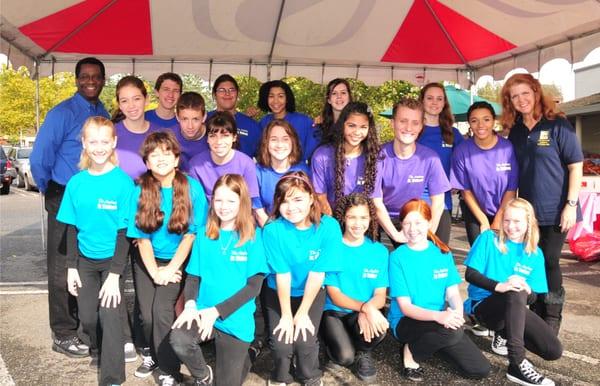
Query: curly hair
<point x="265" y="89"/>
<point x="358" y="199"/>
<point x="327" y="123"/>
<point x="446" y="118"/>
<point x="370" y="149"/>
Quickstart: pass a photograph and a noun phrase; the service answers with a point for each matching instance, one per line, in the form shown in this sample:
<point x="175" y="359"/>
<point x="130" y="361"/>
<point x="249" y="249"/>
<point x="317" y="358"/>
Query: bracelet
<point x="361" y="307"/>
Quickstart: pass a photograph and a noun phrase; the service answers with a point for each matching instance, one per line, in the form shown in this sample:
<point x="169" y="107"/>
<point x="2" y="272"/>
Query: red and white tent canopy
<point x="374" y="40"/>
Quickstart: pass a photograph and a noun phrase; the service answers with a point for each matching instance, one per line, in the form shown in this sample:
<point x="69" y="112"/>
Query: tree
<point x="248" y="94"/>
<point x="490" y="91"/>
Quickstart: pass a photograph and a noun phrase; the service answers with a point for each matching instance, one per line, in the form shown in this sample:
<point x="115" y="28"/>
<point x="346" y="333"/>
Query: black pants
<point x="551" y="243"/>
<point x="157" y="308"/>
<point x="307" y="353"/>
<point x="427" y="338"/>
<point x="444" y="227"/>
<point x="522" y="328"/>
<point x="106" y="337"/>
<point x="62" y="305"/>
<point x="341" y="334"/>
<point x="472" y="225"/>
<point x="232" y="362"/>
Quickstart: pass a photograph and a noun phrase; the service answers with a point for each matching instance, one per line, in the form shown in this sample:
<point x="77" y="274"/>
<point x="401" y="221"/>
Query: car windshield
<point x="23" y="153"/>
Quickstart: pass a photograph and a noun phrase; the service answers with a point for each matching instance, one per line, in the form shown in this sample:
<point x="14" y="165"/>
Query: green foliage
<point x="308" y="95"/>
<point x="490" y="92"/>
<point x="248" y="95"/>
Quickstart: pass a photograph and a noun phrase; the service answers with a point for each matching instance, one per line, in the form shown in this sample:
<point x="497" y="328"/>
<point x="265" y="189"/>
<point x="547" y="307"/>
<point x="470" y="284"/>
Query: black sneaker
<point x="499" y="344"/>
<point x="147" y="367"/>
<point x="415" y="375"/>
<point x="525" y="374"/>
<point x="208" y="381"/>
<point x="71" y="347"/>
<point x="365" y="368"/>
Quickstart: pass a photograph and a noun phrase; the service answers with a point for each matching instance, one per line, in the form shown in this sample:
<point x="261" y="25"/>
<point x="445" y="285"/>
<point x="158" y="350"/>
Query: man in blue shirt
<point x="53" y="162"/>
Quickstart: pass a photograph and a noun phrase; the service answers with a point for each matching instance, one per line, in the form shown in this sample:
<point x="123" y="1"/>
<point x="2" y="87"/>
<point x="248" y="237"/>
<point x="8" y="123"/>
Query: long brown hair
<point x="128" y="80"/>
<point x="95" y="123"/>
<point x="262" y="155"/>
<point x="421" y="206"/>
<point x="296" y="180"/>
<point x="544" y="105"/>
<point x="358" y="199"/>
<point x="446" y="118"/>
<point x="149" y="216"/>
<point x="327" y="123"/>
<point x="244" y="222"/>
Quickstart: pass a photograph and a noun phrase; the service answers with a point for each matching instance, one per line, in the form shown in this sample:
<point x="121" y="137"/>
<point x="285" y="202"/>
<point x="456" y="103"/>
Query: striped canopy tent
<point x="372" y="40"/>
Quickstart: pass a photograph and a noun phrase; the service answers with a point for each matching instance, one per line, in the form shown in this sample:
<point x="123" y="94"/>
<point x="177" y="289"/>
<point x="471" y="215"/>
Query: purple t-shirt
<point x="207" y="172"/>
<point x="488" y="174"/>
<point x="189" y="148"/>
<point x="399" y="180"/>
<point x="323" y="173"/>
<point x="128" y="149"/>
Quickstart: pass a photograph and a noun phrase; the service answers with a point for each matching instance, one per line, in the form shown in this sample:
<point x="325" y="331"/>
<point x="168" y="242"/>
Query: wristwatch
<point x="572" y="202"/>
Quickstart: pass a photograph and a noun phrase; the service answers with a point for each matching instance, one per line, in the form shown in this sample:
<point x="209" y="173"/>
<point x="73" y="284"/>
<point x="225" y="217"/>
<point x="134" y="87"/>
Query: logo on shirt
<point x="440" y="273"/>
<point x="370" y="273"/>
<point x="415" y="179"/>
<point x="522" y="269"/>
<point x="107" y="204"/>
<point x="238" y="256"/>
<point x="243" y="132"/>
<point x="314" y="254"/>
<point x="444" y="144"/>
<point x="360" y="181"/>
<point x="544" y="139"/>
<point x="503" y="167"/>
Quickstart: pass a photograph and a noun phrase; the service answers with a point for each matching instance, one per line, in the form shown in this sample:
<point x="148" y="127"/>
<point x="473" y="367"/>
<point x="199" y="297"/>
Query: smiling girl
<point x="337" y="97"/>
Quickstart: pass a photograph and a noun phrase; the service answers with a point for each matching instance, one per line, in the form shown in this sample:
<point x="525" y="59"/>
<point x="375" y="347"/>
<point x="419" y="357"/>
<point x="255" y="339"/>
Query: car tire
<point x="20" y="180"/>
<point x="26" y="183"/>
<point x="5" y="189"/>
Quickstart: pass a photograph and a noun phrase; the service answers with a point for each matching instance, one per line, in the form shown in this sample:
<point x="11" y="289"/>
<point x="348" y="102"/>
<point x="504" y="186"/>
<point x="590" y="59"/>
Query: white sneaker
<point x="499" y="344"/>
<point x="479" y="330"/>
<point x="130" y="354"/>
<point x="525" y="374"/>
<point x="167" y="380"/>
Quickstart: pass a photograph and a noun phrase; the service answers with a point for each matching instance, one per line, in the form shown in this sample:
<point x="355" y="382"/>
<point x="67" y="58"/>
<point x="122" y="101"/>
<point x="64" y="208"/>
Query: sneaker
<point x="71" y="347"/>
<point x="130" y="354"/>
<point x="146" y="368"/>
<point x="365" y="368"/>
<point x="479" y="330"/>
<point x="255" y="349"/>
<point x="167" y="380"/>
<point x="415" y="375"/>
<point x="499" y="344"/>
<point x="273" y="383"/>
<point x="313" y="382"/>
<point x="208" y="381"/>
<point x="526" y="374"/>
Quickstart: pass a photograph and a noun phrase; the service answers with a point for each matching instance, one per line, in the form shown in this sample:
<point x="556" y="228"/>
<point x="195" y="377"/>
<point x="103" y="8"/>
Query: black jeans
<point x="106" y="338"/>
<point x="522" y="328"/>
<point x="62" y="305"/>
<point x="427" y="338"/>
<point x="341" y="334"/>
<point x="472" y="226"/>
<point x="551" y="243"/>
<point x="232" y="362"/>
<point x="157" y="308"/>
<point x="307" y="353"/>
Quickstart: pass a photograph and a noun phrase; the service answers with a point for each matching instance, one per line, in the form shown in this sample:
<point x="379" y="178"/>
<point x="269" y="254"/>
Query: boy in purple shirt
<point x="406" y="169"/>
<point x="191" y="131"/>
<point x="168" y="89"/>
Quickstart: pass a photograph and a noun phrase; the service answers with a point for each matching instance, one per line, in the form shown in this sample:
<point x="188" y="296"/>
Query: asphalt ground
<point x="26" y="357"/>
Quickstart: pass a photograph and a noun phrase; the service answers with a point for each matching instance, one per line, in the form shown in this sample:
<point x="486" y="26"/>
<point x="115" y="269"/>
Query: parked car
<point x="19" y="156"/>
<point x="6" y="171"/>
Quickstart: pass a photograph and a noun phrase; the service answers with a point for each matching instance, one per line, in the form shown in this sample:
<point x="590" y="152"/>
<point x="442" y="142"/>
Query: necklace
<point x="225" y="248"/>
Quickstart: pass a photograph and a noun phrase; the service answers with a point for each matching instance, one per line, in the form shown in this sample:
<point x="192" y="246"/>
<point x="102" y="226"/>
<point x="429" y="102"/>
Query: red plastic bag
<point x="587" y="247"/>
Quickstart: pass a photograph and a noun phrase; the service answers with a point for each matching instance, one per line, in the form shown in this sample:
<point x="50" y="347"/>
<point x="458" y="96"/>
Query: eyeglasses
<point x="222" y="90"/>
<point x="87" y="77"/>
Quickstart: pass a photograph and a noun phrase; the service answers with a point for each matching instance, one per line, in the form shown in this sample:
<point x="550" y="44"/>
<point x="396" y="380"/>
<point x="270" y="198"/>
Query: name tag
<point x="544" y="139"/>
<point x="440" y="273"/>
<point x="415" y="179"/>
<point x="370" y="273"/>
<point x="238" y="256"/>
<point x="503" y="167"/>
<point x="107" y="204"/>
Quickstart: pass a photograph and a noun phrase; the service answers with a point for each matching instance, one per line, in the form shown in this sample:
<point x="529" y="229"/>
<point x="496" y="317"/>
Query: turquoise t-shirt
<point x="98" y="205"/>
<point x="423" y="276"/>
<point x="165" y="243"/>
<point x="224" y="269"/>
<point x="295" y="251"/>
<point x="364" y="269"/>
<point x="487" y="259"/>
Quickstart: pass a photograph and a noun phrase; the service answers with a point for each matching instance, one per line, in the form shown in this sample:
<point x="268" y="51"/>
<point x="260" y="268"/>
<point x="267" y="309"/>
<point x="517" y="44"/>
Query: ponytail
<point x="437" y="242"/>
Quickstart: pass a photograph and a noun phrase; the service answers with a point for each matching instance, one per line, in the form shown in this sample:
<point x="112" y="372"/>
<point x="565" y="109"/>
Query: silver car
<point x="19" y="156"/>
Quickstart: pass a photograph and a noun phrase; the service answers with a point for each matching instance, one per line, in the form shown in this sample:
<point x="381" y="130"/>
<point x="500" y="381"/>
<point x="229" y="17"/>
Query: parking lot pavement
<point x="26" y="357"/>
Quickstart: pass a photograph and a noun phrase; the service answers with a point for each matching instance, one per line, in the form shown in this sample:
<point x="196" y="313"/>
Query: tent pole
<point x="37" y="129"/>
<point x="210" y="64"/>
<point x="250" y="68"/>
<point x="322" y="73"/>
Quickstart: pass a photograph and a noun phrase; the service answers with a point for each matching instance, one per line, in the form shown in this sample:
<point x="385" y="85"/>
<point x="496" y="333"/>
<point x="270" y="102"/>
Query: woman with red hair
<point x="550" y="171"/>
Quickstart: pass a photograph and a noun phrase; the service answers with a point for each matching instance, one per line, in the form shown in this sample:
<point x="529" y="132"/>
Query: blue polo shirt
<point x="151" y="116"/>
<point x="544" y="154"/>
<point x="165" y="243"/>
<point x="210" y="259"/>
<point x="487" y="259"/>
<point x="364" y="269"/>
<point x="98" y="206"/>
<point x="57" y="147"/>
<point x="249" y="133"/>
<point x="303" y="125"/>
<point x="423" y="276"/>
<point x="300" y="251"/>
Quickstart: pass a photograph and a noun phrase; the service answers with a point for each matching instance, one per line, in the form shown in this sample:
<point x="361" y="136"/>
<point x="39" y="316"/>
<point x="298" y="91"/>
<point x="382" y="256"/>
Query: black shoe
<point x="525" y="374"/>
<point x="364" y="367"/>
<point x="207" y="381"/>
<point x="415" y="375"/>
<point x="71" y="347"/>
<point x="499" y="344"/>
<point x="255" y="349"/>
<point x="148" y="365"/>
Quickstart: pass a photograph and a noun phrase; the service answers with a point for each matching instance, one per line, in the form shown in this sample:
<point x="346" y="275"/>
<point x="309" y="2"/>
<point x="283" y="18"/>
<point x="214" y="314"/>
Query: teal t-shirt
<point x="165" y="243"/>
<point x="487" y="259"/>
<point x="364" y="268"/>
<point x="423" y="276"/>
<point x="224" y="269"/>
<point x="295" y="251"/>
<point x="98" y="206"/>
